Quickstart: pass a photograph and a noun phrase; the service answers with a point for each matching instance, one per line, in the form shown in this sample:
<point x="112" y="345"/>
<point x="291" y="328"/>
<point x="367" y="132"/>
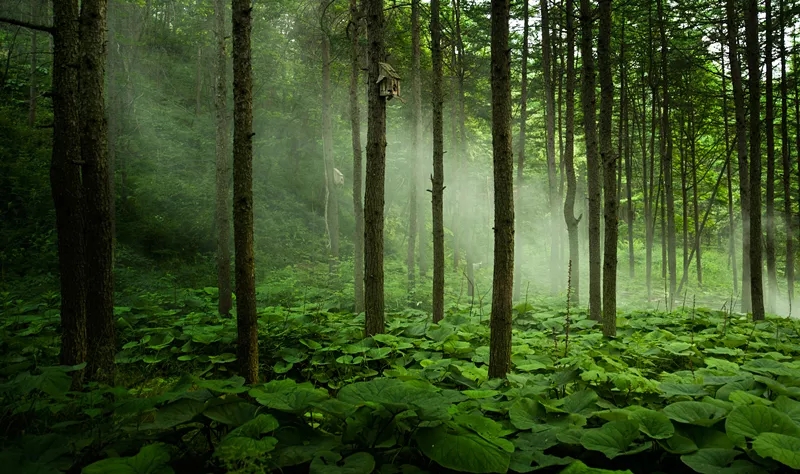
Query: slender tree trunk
<point x="247" y="318"/>
<point x="684" y="190"/>
<point x="331" y="194"/>
<point x="33" y="91"/>
<point x="552" y="177"/>
<point x="695" y="191"/>
<point x="416" y="143"/>
<point x="611" y="204"/>
<point x="437" y="180"/>
<point x="376" y="172"/>
<point x="732" y="238"/>
<point x="65" y="183"/>
<point x="198" y="82"/>
<point x="772" y="273"/>
<point x="741" y="148"/>
<point x="754" y="83"/>
<point x="523" y="128"/>
<point x="97" y="182"/>
<point x="355" y="132"/>
<point x="469" y="249"/>
<point x="223" y="161"/>
<point x="786" y="161"/>
<point x="503" y="278"/>
<point x="666" y="154"/>
<point x="593" y="163"/>
<point x="624" y="101"/>
<point x="569" y="158"/>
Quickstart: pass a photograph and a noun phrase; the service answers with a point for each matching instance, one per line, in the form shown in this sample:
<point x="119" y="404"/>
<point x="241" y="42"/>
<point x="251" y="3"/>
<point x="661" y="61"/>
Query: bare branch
<point x="25" y="24"/>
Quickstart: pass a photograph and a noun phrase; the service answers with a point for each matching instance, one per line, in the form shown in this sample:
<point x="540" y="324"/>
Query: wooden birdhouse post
<point x="389" y="81"/>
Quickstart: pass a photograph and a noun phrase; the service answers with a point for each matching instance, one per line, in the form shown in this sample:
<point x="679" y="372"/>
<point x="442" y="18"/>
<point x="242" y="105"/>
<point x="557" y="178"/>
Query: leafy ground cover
<point x="695" y="390"/>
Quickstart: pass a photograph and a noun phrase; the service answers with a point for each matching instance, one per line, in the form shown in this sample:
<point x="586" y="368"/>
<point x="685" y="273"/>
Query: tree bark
<point x="741" y="148"/>
<point x="611" y="204"/>
<point x="355" y="133"/>
<point x="552" y="178"/>
<point x="754" y="83"/>
<point x="65" y="183"/>
<point x="503" y="276"/>
<point x="732" y="237"/>
<point x="223" y="165"/>
<point x="523" y="125"/>
<point x="569" y="159"/>
<point x="625" y="124"/>
<point x="331" y="194"/>
<point x="666" y="155"/>
<point x="376" y="173"/>
<point x="33" y="92"/>
<point x="97" y="183"/>
<point x="246" y="312"/>
<point x="786" y="161"/>
<point x="437" y="180"/>
<point x="593" y="164"/>
<point x="469" y="249"/>
<point x="416" y="143"/>
<point x="772" y="273"/>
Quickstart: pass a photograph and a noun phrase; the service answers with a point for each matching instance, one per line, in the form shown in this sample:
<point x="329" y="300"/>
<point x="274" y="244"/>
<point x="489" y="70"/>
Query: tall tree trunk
<point x="376" y="173"/>
<point x="223" y="162"/>
<point x="731" y="227"/>
<point x="569" y="159"/>
<point x="754" y="84"/>
<point x="695" y="192"/>
<point x="684" y="189"/>
<point x="502" y="288"/>
<point x="247" y="319"/>
<point x="611" y="204"/>
<point x="786" y="162"/>
<point x="552" y="178"/>
<point x="624" y="102"/>
<point x="97" y="182"/>
<point x="593" y="164"/>
<point x="666" y="154"/>
<point x="33" y="92"/>
<point x="741" y="148"/>
<point x="437" y="179"/>
<point x="331" y="194"/>
<point x="198" y="82"/>
<point x="416" y="144"/>
<point x="469" y="249"/>
<point x="65" y="183"/>
<point x="772" y="273"/>
<point x="355" y="132"/>
<point x="523" y="127"/>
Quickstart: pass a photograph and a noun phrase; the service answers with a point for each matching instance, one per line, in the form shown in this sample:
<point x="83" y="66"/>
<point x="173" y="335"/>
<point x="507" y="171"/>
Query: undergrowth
<point x="695" y="390"/>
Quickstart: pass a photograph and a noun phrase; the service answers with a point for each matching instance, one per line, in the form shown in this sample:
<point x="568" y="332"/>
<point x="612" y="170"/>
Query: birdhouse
<point x="389" y="81"/>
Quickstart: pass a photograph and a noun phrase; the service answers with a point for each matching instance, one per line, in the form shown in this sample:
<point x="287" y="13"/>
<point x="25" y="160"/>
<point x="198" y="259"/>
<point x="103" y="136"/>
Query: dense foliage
<point x="692" y="391"/>
<point x="689" y="390"/>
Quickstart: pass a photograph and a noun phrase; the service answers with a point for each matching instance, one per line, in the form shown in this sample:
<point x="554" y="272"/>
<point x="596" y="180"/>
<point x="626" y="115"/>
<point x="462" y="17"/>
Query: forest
<point x="399" y="236"/>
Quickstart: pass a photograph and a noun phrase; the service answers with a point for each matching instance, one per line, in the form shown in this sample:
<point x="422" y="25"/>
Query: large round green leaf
<point x="682" y="389"/>
<point x="710" y="460"/>
<point x="152" y="459"/>
<point x="652" y="423"/>
<point x="750" y="421"/>
<point x="331" y="463"/>
<point x="782" y="448"/>
<point x="695" y="413"/>
<point x="233" y="411"/>
<point x="578" y="467"/>
<point x="526" y="413"/>
<point x="612" y="439"/>
<point x="460" y="449"/>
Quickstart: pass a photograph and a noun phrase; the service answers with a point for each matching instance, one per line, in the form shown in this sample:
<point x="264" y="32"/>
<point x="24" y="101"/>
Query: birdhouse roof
<point x="387" y="70"/>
